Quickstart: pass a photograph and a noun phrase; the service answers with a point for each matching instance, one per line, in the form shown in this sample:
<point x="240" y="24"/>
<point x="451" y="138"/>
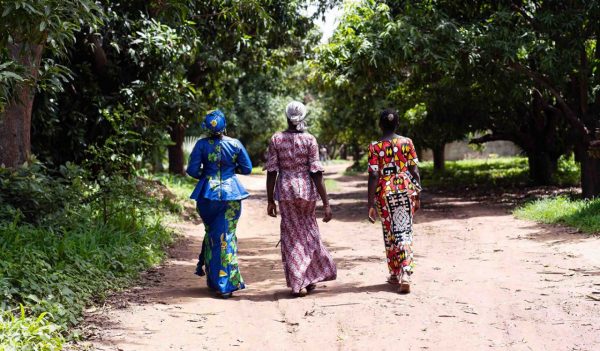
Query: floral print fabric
<point x="305" y="258"/>
<point x="219" y="251"/>
<point x="215" y="162"/>
<point x="394" y="193"/>
<point x="294" y="156"/>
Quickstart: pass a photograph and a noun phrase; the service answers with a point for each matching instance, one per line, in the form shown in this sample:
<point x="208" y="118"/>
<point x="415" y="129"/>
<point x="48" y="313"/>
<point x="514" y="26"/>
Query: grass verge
<point x="581" y="214"/>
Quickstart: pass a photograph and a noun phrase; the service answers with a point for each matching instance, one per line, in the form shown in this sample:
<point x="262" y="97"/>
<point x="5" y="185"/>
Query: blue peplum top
<point x="215" y="162"/>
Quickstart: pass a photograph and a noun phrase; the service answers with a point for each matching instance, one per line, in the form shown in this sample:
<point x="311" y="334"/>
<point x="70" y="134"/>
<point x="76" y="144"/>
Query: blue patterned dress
<point x="218" y="194"/>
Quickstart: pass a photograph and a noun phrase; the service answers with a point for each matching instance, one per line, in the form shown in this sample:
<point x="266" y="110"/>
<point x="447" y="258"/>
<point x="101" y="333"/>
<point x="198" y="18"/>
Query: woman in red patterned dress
<point x="394" y="191"/>
<point x="295" y="180"/>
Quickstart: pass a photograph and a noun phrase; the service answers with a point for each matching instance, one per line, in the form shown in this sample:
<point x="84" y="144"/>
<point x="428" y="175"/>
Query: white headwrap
<point x="296" y="113"/>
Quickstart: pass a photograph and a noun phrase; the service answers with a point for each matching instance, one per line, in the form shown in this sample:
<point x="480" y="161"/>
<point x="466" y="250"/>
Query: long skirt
<point x="396" y="213"/>
<point x="219" y="248"/>
<point x="305" y="259"/>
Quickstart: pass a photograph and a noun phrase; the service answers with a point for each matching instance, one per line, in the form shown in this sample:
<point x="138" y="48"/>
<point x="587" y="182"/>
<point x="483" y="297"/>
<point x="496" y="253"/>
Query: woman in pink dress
<point x="295" y="180"/>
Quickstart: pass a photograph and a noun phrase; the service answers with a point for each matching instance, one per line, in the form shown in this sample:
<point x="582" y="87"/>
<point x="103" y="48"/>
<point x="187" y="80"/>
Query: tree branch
<point x="492" y="137"/>
<point x="567" y="111"/>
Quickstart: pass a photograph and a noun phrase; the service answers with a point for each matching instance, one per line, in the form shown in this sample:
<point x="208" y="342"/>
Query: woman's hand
<point x="372" y="214"/>
<point x="328" y="214"/>
<point x="272" y="209"/>
<point x="417" y="203"/>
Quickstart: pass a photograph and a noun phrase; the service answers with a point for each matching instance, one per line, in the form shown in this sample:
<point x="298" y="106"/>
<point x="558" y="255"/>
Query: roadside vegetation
<point x="581" y="214"/>
<point x="67" y="241"/>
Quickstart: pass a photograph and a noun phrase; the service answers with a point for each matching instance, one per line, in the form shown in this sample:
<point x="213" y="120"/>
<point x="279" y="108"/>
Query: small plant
<point x="23" y="333"/>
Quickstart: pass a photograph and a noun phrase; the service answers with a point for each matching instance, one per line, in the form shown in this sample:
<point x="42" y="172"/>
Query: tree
<point x="377" y="54"/>
<point x="27" y="29"/>
<point x="167" y="63"/>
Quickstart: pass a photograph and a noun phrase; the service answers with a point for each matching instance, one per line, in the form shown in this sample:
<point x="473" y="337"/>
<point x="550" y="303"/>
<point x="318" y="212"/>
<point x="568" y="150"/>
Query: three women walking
<point x="295" y="182"/>
<point x="214" y="161"/>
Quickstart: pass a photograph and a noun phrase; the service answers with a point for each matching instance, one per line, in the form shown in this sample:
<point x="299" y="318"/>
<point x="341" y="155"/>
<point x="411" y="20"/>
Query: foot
<point x="393" y="279"/>
<point x="311" y="287"/>
<point x="300" y="293"/>
<point x="225" y="295"/>
<point x="404" y="287"/>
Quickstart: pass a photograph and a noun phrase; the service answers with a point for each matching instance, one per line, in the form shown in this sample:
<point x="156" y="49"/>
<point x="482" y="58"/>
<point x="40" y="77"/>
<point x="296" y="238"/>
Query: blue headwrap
<point x="214" y="122"/>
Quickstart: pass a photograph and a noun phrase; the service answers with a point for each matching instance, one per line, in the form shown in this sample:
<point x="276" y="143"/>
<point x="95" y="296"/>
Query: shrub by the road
<point x="67" y="239"/>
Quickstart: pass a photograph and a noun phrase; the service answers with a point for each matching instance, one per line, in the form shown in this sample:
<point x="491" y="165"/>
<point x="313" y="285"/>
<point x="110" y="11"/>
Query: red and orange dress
<point x="394" y="200"/>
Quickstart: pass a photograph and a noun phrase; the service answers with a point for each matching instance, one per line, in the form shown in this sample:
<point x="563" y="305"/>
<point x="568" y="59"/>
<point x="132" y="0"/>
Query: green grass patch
<point x="258" y="171"/>
<point x="23" y="333"/>
<point x="504" y="171"/>
<point x="581" y="214"/>
<point x="500" y="171"/>
<point x="332" y="185"/>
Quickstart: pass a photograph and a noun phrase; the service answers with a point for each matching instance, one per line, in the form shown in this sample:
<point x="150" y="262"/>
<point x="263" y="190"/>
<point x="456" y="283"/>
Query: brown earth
<point x="483" y="280"/>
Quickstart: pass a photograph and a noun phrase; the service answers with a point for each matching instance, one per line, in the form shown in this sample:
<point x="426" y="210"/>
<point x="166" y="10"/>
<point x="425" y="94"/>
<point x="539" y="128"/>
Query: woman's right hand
<point x="372" y="214"/>
<point x="272" y="209"/>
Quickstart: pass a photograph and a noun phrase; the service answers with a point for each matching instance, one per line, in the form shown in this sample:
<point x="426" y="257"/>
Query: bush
<point x="581" y="214"/>
<point x="67" y="238"/>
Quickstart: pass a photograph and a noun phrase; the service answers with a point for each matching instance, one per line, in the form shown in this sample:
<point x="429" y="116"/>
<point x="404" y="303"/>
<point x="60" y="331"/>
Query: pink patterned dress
<point x="305" y="259"/>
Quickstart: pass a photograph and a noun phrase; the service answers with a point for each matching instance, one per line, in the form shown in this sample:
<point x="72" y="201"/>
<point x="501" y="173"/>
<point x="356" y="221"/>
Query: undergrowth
<point x="67" y="239"/>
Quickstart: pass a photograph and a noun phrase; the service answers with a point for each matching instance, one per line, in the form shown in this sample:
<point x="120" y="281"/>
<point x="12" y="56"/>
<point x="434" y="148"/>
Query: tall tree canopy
<point x="526" y="71"/>
<point x="155" y="66"/>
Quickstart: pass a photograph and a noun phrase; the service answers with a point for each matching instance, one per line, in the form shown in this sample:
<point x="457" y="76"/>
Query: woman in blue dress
<point x="214" y="161"/>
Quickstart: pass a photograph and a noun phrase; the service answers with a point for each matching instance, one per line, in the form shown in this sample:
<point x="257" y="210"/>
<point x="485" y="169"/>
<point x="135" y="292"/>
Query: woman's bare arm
<point x="317" y="178"/>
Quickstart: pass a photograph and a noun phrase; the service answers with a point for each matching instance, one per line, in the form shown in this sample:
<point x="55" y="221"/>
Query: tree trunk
<point x="356" y="151"/>
<point x="176" y="157"/>
<point x="157" y="159"/>
<point x="15" y="122"/>
<point x="439" y="157"/>
<point x="590" y="175"/>
<point x="344" y="152"/>
<point x="542" y="167"/>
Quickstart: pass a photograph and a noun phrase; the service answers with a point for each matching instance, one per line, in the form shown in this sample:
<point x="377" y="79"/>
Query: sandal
<point x="311" y="287"/>
<point x="300" y="293"/>
<point x="404" y="287"/>
<point x="393" y="279"/>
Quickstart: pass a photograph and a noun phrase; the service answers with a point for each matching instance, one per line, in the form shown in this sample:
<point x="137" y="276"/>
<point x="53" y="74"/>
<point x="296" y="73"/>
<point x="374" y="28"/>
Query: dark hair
<point x="388" y="120"/>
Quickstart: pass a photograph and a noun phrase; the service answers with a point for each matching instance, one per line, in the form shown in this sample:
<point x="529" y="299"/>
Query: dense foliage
<point x="66" y="240"/>
<point x="521" y="71"/>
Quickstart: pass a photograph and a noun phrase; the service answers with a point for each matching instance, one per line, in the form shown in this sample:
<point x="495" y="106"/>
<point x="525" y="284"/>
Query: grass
<point x="500" y="171"/>
<point x="581" y="214"/>
<point x="20" y="332"/>
<point x="504" y="171"/>
<point x="332" y="185"/>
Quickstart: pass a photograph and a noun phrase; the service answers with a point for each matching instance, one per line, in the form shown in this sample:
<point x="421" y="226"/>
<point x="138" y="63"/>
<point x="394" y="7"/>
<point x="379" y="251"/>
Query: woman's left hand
<point x="417" y="203"/>
<point x="328" y="214"/>
<point x="372" y="214"/>
<point x="272" y="209"/>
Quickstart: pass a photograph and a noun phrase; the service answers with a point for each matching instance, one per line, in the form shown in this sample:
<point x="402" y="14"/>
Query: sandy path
<point x="483" y="281"/>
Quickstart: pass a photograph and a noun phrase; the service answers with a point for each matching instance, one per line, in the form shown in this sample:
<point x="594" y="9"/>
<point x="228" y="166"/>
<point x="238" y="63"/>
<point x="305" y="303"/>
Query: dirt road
<point x="483" y="281"/>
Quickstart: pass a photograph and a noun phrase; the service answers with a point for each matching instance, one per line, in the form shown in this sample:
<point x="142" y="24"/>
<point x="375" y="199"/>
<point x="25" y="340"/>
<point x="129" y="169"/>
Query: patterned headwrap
<point x="296" y="113"/>
<point x="215" y="122"/>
